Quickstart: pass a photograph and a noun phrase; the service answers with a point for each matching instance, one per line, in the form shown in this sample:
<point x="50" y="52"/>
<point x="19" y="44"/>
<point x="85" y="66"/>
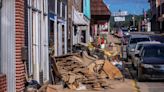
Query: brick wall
<point x="19" y="25"/>
<point x="3" y="83"/>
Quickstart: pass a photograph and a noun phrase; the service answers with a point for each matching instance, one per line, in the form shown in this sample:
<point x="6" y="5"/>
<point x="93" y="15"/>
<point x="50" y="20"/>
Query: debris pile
<point x="81" y="73"/>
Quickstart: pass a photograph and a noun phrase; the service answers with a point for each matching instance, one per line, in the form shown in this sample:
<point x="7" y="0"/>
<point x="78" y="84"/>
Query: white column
<point x="36" y="44"/>
<point x="65" y="38"/>
<point x="8" y="43"/>
<point x="44" y="44"/>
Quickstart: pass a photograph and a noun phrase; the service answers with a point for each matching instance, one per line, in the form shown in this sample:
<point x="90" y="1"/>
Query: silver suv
<point x="134" y="39"/>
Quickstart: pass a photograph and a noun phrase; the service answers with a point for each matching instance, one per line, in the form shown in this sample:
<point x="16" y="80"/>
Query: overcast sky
<point x="132" y="6"/>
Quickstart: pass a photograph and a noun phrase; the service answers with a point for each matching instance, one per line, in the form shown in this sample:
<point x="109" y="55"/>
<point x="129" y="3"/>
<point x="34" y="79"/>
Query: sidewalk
<point x="116" y="86"/>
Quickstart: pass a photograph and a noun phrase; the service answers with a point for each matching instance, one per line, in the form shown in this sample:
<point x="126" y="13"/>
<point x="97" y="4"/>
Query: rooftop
<point x="98" y="7"/>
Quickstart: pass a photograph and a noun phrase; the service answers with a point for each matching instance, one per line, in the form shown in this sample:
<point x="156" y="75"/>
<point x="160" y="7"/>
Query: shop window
<point x="58" y="8"/>
<point x="83" y="36"/>
<point x="63" y="40"/>
<point x="51" y="5"/>
<point x="63" y="10"/>
<point x="0" y="42"/>
<point x="51" y="34"/>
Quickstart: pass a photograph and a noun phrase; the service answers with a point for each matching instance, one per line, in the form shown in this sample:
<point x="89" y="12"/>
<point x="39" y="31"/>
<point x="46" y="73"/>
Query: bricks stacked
<point x="3" y="83"/>
<point x="20" y="40"/>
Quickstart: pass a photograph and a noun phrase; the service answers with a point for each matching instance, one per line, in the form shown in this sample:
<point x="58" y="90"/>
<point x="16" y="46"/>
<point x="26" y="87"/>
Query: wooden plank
<point x="72" y="79"/>
<point x="112" y="71"/>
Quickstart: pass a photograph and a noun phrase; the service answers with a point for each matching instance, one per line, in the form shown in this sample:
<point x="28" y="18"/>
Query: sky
<point x="132" y="6"/>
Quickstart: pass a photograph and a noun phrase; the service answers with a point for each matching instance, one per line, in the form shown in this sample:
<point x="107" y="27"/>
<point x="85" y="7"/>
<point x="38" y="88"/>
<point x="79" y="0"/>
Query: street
<point x="148" y="85"/>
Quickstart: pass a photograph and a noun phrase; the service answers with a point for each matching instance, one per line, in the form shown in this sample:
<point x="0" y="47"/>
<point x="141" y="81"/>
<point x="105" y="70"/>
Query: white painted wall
<point x="8" y="43"/>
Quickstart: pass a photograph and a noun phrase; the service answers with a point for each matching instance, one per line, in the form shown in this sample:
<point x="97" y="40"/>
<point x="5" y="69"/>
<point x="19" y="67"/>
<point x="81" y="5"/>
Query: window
<point x="58" y="8"/>
<point x="51" y="6"/>
<point x="136" y="40"/>
<point x="63" y="10"/>
<point x="0" y="42"/>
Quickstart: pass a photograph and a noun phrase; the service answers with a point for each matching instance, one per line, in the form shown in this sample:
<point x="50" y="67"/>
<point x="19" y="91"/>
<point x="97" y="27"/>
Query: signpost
<point x="118" y="19"/>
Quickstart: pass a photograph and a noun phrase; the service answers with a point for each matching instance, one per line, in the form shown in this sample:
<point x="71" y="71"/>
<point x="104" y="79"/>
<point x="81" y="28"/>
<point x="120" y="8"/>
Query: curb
<point x="134" y="83"/>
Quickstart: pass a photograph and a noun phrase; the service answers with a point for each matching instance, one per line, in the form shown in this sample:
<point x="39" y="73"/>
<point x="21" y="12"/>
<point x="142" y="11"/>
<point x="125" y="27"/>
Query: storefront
<point x="100" y="18"/>
<point x="61" y="36"/>
<point x="38" y="65"/>
<point x="57" y="27"/>
<point x="80" y="28"/>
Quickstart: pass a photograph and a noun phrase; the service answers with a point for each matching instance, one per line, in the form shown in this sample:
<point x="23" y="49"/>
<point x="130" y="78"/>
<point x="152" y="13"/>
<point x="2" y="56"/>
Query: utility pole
<point x="133" y="18"/>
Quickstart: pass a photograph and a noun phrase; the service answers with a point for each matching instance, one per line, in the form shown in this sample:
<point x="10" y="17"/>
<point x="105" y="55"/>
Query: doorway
<point x="83" y="36"/>
<point x="51" y="37"/>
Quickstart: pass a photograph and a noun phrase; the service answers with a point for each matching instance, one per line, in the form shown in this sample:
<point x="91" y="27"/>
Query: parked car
<point x="134" y="39"/>
<point x="150" y="62"/>
<point x="137" y="50"/>
<point x="157" y="38"/>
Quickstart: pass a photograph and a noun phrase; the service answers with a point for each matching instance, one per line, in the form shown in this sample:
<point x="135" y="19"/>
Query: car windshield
<point x="136" y="40"/>
<point x="154" y="52"/>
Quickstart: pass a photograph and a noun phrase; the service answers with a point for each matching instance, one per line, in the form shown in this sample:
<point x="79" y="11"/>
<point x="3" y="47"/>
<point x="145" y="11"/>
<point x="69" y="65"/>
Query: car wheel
<point x="139" y="75"/>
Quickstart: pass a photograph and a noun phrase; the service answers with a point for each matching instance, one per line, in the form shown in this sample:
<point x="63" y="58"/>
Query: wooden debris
<point x="111" y="70"/>
<point x="72" y="79"/>
<point x="93" y="73"/>
<point x="51" y="88"/>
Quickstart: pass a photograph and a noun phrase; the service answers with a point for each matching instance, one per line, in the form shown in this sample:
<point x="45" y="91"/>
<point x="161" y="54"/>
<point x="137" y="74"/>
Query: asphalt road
<point x="148" y="85"/>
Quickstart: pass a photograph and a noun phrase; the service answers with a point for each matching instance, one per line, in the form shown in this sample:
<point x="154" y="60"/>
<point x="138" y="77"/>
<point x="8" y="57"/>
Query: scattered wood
<point x="111" y="70"/>
<point x="94" y="74"/>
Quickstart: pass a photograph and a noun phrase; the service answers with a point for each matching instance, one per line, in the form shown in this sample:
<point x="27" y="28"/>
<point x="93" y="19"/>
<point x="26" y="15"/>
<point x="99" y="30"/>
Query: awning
<point x="78" y="18"/>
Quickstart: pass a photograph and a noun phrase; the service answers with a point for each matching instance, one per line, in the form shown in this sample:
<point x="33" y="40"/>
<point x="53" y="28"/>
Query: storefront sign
<point x="103" y="27"/>
<point x="119" y="19"/>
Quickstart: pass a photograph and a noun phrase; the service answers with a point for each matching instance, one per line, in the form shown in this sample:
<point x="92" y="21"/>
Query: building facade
<point x="36" y="32"/>
<point x="78" y="21"/>
<point x="100" y="16"/>
<point x="24" y="44"/>
<point x="157" y="20"/>
<point x="58" y="26"/>
<point x="12" y="72"/>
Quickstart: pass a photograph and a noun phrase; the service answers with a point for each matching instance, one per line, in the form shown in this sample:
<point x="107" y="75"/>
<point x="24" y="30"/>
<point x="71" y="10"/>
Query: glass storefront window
<point x="58" y="8"/>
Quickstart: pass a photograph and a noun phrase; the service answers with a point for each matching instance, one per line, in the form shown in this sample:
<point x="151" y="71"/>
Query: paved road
<point x="147" y="86"/>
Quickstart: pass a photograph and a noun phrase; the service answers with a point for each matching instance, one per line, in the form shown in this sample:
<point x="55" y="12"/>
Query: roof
<point x="139" y="36"/>
<point x="98" y="7"/>
<point x="149" y="42"/>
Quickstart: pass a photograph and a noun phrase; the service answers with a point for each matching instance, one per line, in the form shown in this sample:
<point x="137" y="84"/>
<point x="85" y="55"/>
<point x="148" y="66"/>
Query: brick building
<point x="24" y="23"/>
<point x="157" y="20"/>
<point x="12" y="73"/>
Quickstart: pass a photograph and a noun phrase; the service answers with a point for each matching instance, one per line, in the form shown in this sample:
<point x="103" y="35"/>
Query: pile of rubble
<point x="85" y="72"/>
